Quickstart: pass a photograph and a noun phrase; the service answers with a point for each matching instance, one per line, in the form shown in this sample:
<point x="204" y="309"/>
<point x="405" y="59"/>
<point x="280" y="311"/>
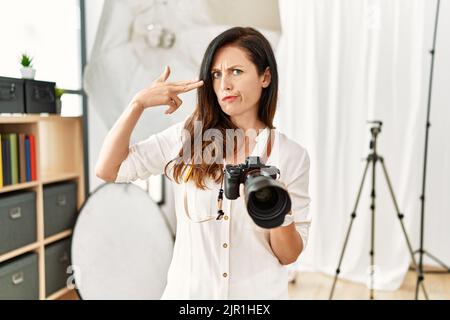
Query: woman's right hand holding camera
<point x="162" y="92"/>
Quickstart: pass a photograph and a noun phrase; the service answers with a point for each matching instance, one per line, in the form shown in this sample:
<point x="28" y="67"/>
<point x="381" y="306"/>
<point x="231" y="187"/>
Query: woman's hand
<point x="285" y="242"/>
<point x="164" y="93"/>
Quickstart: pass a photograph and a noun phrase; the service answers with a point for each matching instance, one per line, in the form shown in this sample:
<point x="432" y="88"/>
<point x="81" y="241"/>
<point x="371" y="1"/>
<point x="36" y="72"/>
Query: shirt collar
<point x="261" y="142"/>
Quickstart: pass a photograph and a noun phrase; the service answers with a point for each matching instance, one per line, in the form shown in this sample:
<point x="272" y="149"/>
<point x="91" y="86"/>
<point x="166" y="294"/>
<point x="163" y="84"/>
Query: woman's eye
<point x="217" y="74"/>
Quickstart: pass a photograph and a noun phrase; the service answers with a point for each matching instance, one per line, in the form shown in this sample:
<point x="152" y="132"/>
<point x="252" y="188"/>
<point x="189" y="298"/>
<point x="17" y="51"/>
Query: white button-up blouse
<point x="230" y="258"/>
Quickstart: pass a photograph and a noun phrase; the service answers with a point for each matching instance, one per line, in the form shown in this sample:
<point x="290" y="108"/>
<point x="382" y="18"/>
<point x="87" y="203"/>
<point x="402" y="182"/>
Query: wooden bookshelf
<point x="19" y="186"/>
<point x="59" y="294"/>
<point x="59" y="158"/>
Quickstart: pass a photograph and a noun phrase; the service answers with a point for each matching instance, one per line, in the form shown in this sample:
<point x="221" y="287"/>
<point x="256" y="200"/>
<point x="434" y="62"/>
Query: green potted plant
<point x="58" y="93"/>
<point x="27" y="67"/>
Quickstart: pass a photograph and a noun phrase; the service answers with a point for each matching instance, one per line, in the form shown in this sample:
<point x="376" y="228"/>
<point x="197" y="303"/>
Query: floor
<point x="317" y="286"/>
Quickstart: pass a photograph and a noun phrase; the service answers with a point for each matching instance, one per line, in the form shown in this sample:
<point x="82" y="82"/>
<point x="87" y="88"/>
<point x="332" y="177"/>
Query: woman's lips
<point x="230" y="99"/>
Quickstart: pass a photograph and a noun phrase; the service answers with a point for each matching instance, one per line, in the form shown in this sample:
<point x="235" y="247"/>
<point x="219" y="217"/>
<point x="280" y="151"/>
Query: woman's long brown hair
<point x="208" y="110"/>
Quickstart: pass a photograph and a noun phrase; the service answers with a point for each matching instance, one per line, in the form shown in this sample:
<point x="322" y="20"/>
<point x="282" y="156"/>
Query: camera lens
<point x="265" y="197"/>
<point x="267" y="200"/>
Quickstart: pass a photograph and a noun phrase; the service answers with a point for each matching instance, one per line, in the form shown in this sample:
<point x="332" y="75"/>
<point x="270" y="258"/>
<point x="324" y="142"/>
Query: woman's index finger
<point x="189" y="87"/>
<point x="182" y="82"/>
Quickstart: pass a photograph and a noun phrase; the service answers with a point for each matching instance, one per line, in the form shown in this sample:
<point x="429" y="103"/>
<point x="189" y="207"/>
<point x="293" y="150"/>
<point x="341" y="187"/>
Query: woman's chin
<point x="231" y="111"/>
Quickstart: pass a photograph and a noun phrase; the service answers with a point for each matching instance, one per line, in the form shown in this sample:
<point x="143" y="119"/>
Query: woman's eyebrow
<point x="232" y="67"/>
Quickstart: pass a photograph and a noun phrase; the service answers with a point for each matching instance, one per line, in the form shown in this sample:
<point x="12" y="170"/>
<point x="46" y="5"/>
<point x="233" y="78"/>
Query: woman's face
<point x="235" y="76"/>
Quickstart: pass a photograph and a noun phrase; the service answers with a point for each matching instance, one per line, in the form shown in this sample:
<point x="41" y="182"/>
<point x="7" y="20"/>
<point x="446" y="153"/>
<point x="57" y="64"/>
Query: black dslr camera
<point x="267" y="200"/>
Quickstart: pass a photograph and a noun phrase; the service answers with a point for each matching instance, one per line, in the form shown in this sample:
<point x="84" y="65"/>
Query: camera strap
<point x="220" y="212"/>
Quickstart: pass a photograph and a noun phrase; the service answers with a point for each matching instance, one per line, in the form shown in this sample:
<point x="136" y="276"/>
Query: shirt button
<point x="225" y="274"/>
<point x="225" y="245"/>
<point x="225" y="217"/>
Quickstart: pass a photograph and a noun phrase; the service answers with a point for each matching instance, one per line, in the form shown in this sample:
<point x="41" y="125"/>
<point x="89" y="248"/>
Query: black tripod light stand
<point x="372" y="159"/>
<point x="421" y="251"/>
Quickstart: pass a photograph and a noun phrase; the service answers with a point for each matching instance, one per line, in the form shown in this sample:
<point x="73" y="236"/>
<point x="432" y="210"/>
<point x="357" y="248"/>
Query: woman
<point x="225" y="256"/>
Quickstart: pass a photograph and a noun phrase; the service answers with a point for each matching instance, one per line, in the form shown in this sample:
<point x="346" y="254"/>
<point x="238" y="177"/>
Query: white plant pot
<point x="28" y="73"/>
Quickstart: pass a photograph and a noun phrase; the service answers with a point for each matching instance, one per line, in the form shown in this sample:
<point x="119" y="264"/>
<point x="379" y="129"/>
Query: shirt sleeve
<point x="150" y="156"/>
<point x="298" y="191"/>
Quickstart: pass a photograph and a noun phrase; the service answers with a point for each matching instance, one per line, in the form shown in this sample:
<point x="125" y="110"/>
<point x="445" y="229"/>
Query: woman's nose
<point x="226" y="83"/>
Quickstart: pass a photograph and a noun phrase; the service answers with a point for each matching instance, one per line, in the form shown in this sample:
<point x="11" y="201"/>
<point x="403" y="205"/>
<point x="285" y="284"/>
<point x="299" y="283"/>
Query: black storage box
<point x="57" y="260"/>
<point x="19" y="278"/>
<point x="40" y="97"/>
<point x="11" y="95"/>
<point x="17" y="220"/>
<point x="60" y="207"/>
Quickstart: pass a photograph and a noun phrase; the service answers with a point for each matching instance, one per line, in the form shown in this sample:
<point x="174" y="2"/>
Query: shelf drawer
<point x="17" y="220"/>
<point x="57" y="260"/>
<point x="11" y="95"/>
<point x="19" y="278"/>
<point x="60" y="207"/>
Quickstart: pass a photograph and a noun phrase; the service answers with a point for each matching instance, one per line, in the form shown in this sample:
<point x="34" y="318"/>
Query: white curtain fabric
<point x="343" y="63"/>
